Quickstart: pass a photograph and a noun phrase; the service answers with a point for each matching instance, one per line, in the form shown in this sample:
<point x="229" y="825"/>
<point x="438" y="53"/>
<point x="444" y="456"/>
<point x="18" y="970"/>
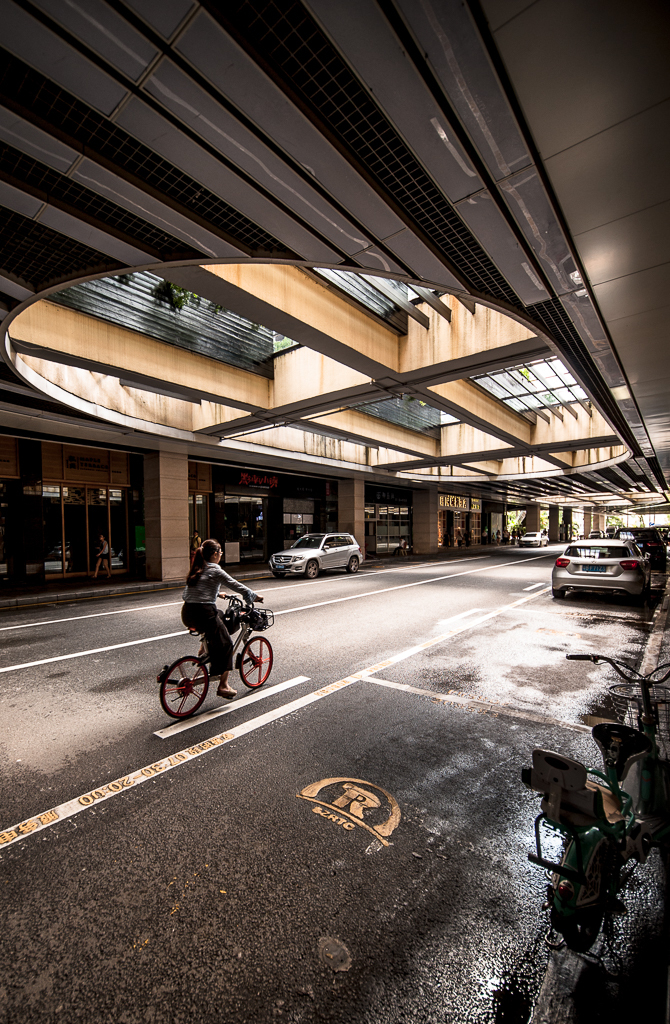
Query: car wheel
<point x="279" y="575"/>
<point x="352" y="565"/>
<point x="312" y="569"/>
<point x="557" y="593"/>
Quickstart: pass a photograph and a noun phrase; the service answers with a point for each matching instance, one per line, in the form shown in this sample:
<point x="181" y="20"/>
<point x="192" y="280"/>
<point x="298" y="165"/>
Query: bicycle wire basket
<point x="260" y="619"/>
<point x="627" y="701"/>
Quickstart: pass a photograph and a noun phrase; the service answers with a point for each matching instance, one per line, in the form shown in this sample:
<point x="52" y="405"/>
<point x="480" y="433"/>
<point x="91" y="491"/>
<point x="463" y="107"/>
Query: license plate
<point x="594" y="568"/>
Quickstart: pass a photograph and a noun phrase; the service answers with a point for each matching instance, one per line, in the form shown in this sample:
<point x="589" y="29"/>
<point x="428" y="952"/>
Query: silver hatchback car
<point x="316" y="551"/>
<point x="613" y="565"/>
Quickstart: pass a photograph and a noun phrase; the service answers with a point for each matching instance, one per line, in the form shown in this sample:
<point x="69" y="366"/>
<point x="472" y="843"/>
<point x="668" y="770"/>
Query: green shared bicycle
<point x="607" y="820"/>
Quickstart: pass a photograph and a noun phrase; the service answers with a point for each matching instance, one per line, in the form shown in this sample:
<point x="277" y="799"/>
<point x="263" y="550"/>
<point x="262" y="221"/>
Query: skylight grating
<point x="536" y="385"/>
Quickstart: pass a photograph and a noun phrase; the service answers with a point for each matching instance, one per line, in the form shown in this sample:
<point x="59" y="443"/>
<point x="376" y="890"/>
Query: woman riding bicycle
<point x="200" y="612"/>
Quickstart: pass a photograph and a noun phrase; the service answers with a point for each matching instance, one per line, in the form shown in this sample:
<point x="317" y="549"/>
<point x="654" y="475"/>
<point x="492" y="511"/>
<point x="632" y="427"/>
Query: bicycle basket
<point x="627" y="701"/>
<point x="260" y="619"/>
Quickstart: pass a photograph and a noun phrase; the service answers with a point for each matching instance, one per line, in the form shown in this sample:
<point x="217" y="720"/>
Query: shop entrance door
<point x="245" y="525"/>
<point x="74" y="518"/>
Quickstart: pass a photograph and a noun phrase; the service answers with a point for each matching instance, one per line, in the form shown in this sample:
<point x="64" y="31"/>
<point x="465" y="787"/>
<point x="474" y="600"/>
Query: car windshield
<point x="531" y="535"/>
<point x="640" y="534"/>
<point x="310" y="540"/>
<point x="598" y="551"/>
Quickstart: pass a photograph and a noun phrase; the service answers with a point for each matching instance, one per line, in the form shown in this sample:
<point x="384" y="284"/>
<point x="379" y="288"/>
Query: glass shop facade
<point x="55" y="501"/>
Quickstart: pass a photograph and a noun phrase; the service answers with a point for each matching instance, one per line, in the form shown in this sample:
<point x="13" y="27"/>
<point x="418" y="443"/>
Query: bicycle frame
<point x="585" y="883"/>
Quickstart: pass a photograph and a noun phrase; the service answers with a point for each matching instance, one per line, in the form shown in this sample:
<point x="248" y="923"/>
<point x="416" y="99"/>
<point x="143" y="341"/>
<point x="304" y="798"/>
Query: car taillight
<point x="630" y="563"/>
<point x="565" y="889"/>
<point x="562" y="562"/>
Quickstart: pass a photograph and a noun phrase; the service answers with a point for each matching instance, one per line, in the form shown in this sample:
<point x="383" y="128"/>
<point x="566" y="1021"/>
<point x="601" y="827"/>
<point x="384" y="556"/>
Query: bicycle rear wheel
<point x="256" y="662"/>
<point x="184" y="687"/>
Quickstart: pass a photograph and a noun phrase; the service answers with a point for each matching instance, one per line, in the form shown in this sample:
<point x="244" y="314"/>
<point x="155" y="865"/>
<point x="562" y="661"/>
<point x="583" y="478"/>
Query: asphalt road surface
<point x="347" y="843"/>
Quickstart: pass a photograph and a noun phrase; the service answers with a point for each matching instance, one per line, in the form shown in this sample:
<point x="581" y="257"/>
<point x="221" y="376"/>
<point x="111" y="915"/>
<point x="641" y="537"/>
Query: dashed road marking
<point x="191" y="723"/>
<point x="285" y="611"/>
<point x="38" y="822"/>
<point x="534" y="586"/>
<point x="35" y="824"/>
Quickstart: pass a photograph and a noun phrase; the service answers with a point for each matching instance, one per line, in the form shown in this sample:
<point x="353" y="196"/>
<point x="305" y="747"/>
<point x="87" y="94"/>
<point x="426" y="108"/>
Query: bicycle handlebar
<point x="631" y="675"/>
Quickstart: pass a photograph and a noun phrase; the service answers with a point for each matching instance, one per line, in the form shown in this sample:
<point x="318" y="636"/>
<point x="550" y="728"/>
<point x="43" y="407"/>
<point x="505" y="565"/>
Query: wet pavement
<point x="352" y="852"/>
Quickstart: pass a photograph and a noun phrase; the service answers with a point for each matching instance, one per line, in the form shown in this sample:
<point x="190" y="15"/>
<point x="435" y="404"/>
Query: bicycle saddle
<point x="620" y="746"/>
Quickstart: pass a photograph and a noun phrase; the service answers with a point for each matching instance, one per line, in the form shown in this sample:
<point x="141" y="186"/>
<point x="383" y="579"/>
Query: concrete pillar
<point x="532" y="520"/>
<point x="598" y="520"/>
<point x="588" y="522"/>
<point x="424" y="522"/>
<point x="554" y="512"/>
<point x="166" y="515"/>
<point x="567" y="523"/>
<point x="351" y="509"/>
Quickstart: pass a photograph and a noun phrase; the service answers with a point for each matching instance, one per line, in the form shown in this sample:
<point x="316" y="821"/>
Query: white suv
<point x="316" y="551"/>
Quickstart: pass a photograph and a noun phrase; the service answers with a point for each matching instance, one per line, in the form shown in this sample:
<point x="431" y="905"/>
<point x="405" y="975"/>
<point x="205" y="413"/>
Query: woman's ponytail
<point x="200" y="559"/>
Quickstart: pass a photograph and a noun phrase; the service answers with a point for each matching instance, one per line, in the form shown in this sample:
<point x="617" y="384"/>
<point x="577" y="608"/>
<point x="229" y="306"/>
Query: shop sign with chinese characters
<point x="454" y="501"/>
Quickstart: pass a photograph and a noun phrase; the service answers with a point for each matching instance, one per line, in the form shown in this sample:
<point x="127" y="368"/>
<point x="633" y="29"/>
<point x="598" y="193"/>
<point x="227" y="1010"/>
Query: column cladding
<point x="351" y="509"/>
<point x="424" y="522"/>
<point x="554" y="515"/>
<point x="532" y="520"/>
<point x="166" y="515"/>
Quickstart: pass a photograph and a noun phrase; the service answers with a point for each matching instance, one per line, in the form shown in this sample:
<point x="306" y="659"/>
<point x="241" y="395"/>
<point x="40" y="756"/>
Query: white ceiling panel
<point x="575" y="71"/>
<point x="231" y="71"/>
<point x="152" y="129"/>
<point x="628" y="245"/>
<point x="32" y="42"/>
<point x="634" y="294"/>
<point x="615" y="173"/>
<point x="641" y="341"/>
<point x="196" y="108"/>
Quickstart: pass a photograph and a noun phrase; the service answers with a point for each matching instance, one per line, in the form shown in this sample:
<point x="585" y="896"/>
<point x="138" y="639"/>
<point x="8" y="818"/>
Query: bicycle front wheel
<point x="184" y="687"/>
<point x="256" y="662"/>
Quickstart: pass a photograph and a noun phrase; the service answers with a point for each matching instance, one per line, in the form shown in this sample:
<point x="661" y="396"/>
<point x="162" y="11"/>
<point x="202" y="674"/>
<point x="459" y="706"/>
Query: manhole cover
<point x="335" y="954"/>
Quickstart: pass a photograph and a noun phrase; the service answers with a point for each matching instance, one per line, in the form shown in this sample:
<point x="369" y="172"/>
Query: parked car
<point x="650" y="542"/>
<point x="610" y="531"/>
<point x="316" y="551"/>
<point x="611" y="565"/>
<point x="596" y="535"/>
<point x="533" y="540"/>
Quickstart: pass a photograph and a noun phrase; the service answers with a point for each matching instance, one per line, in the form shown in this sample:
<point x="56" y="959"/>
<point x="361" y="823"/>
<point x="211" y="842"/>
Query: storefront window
<point x="197" y="515"/>
<point x="53" y="529"/>
<point x="74" y="521"/>
<point x="245" y="525"/>
<point x="3" y="528"/>
<point x="386" y="526"/>
<point x="118" y="541"/>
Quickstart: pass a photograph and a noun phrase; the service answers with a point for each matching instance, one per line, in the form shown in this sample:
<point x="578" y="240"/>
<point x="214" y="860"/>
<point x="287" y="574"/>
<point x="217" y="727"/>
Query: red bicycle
<point x="184" y="684"/>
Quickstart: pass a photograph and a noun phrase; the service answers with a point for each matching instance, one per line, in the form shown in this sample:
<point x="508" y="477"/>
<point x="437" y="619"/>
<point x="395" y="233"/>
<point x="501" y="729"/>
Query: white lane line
<point x="404" y="586"/>
<point x="286" y="611"/>
<point x="191" y="723"/>
<point x="41" y="821"/>
<point x="480" y="706"/>
<point x="94" y="650"/>
<point x="277" y="589"/>
<point x="93" y="615"/>
<point x="31" y="826"/>
<point x="534" y="586"/>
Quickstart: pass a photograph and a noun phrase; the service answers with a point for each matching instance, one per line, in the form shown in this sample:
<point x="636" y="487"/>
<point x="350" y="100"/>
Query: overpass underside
<point x="410" y="397"/>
